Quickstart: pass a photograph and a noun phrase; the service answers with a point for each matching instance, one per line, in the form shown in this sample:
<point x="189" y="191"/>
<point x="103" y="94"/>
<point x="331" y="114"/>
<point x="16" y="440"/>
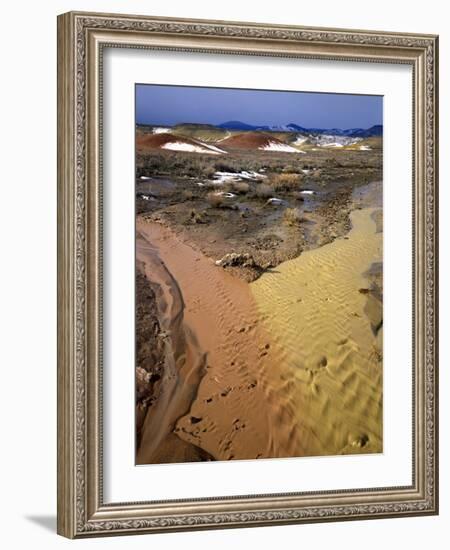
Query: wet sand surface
<point x="288" y="365"/>
<point x="184" y="364"/>
<point x="224" y="373"/>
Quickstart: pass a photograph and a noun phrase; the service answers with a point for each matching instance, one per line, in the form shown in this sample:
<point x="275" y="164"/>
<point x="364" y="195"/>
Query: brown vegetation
<point x="215" y="200"/>
<point x="292" y="216"/>
<point x="196" y="216"/>
<point x="264" y="191"/>
<point x="239" y="187"/>
<point x="285" y="181"/>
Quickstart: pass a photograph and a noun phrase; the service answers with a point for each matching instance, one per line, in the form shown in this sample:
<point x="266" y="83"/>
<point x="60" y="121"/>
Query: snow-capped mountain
<point x="373" y="131"/>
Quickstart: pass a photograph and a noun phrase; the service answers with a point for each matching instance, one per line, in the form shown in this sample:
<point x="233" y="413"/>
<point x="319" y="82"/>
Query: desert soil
<point x="288" y="365"/>
<point x="277" y="357"/>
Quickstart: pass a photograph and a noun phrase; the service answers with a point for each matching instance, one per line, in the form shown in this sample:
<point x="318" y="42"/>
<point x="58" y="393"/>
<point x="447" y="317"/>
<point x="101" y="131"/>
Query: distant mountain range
<point x="290" y="138"/>
<point x="373" y="131"/>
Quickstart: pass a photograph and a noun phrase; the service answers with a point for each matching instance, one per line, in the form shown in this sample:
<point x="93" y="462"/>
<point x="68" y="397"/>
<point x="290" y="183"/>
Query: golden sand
<point x="330" y="373"/>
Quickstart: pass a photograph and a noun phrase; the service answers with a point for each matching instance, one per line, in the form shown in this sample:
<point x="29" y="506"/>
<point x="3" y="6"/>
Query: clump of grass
<point x="238" y="187"/>
<point x="215" y="201"/>
<point x="292" y="217"/>
<point x="289" y="169"/>
<point x="263" y="191"/>
<point x="225" y="167"/>
<point x="188" y="195"/>
<point x="285" y="182"/>
<point x="198" y="217"/>
<point x="179" y="164"/>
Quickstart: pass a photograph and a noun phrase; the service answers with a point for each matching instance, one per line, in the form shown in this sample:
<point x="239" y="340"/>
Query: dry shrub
<point x="264" y="191"/>
<point x="292" y="216"/>
<point x="215" y="201"/>
<point x="188" y="195"/>
<point x="198" y="217"/>
<point x="285" y="182"/>
<point x="288" y="169"/>
<point x="239" y="187"/>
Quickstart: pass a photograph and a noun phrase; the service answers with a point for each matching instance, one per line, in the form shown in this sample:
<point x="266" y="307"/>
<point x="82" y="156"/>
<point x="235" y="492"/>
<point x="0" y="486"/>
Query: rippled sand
<point x="314" y="306"/>
<point x="289" y="365"/>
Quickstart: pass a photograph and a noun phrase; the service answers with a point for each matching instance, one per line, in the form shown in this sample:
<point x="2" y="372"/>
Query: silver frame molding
<point x="81" y="39"/>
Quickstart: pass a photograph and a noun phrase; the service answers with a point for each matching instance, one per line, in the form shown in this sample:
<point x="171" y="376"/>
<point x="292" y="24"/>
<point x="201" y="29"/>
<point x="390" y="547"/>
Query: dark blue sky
<point x="169" y="105"/>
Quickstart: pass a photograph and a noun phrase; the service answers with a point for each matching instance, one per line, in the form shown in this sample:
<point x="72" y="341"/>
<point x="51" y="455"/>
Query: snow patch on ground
<point x="365" y="148"/>
<point x="223" y="177"/>
<point x="191" y="148"/>
<point x="213" y="148"/>
<point x="275" y="201"/>
<point x="300" y="140"/>
<point x="281" y="147"/>
<point x="331" y="140"/>
<point x="336" y="141"/>
<point x="333" y="144"/>
<point x="160" y="130"/>
<point x="225" y="194"/>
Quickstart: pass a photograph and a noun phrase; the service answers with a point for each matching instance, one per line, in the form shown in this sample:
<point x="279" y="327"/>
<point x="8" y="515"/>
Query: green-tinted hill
<point x="203" y="132"/>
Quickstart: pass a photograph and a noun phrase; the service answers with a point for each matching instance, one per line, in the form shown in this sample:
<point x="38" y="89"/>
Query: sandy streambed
<point x="228" y="415"/>
<point x="316" y="308"/>
<point x="289" y="365"/>
<point x="184" y="365"/>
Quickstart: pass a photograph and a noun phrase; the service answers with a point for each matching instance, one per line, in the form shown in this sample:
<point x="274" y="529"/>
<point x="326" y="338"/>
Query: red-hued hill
<point x="156" y="141"/>
<point x="171" y="142"/>
<point x="257" y="140"/>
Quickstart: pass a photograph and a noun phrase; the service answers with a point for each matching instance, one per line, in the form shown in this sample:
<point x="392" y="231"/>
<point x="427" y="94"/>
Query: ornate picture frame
<point x="82" y="38"/>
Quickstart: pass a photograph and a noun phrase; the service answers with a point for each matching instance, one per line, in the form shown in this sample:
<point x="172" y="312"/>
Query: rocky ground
<point x="251" y="224"/>
<point x="149" y="349"/>
<point x="248" y="213"/>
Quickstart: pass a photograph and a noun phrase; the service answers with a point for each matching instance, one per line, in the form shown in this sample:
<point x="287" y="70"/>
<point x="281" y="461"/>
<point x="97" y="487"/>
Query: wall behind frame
<point x="28" y="274"/>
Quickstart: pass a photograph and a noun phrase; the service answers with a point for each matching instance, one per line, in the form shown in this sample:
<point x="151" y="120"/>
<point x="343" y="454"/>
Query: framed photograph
<point x="247" y="284"/>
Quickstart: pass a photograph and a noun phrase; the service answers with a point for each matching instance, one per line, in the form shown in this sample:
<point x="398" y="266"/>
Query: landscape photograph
<point x="259" y="274"/>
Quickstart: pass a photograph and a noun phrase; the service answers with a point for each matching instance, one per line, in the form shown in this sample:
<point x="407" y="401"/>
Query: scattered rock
<point x="273" y="201"/>
<point x="234" y="259"/>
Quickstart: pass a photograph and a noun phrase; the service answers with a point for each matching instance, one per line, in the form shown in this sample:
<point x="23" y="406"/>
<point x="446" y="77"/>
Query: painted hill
<point x="257" y="140"/>
<point x="202" y="132"/>
<point x="173" y="142"/>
